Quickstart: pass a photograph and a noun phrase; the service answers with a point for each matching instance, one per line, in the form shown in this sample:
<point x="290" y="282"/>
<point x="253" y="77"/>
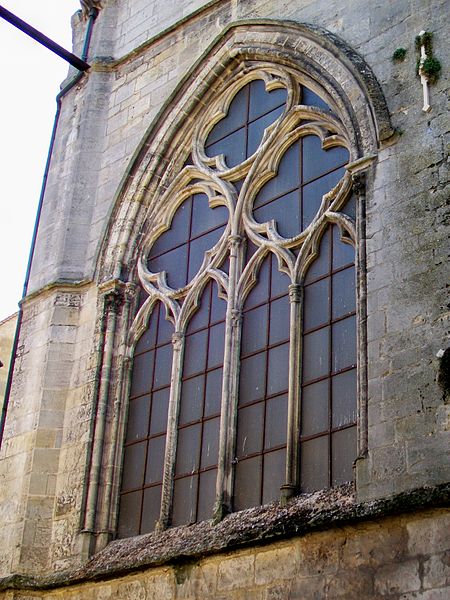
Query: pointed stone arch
<point x="158" y="180"/>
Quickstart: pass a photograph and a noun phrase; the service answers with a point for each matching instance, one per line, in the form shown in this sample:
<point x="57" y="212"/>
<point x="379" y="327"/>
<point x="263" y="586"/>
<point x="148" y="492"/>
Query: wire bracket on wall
<point x="423" y="78"/>
<point x="428" y="67"/>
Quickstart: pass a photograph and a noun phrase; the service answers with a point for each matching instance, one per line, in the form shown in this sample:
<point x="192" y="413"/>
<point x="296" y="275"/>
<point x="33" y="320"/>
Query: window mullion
<point x="224" y="489"/>
<point x="291" y="485"/>
<point x="178" y="342"/>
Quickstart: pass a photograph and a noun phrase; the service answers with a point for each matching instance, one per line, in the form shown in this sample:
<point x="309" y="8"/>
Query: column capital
<point x="295" y="292"/>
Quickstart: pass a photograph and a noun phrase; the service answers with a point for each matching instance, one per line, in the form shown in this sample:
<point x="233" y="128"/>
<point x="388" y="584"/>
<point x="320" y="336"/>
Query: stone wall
<point x="104" y="121"/>
<point x="398" y="558"/>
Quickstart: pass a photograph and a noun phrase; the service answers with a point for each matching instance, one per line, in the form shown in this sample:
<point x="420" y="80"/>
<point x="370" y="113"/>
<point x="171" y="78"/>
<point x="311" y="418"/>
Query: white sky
<point x="30" y="80"/>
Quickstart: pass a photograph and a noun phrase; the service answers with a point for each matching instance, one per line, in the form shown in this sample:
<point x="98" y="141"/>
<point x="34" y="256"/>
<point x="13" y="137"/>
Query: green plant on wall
<point x="399" y="55"/>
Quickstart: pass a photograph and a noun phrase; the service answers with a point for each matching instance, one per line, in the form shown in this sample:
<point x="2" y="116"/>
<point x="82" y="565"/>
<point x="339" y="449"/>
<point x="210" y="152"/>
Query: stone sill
<point x="256" y="526"/>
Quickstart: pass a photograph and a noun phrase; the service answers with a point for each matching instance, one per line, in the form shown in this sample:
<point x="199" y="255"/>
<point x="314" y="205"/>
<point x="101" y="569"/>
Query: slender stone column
<point x="291" y="484"/>
<point x="178" y="343"/>
<point x="112" y="304"/>
<point x="224" y="488"/>
<point x="359" y="189"/>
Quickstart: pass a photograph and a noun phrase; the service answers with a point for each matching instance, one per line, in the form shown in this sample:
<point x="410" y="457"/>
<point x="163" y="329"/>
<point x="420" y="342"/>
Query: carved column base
<point x="288" y="491"/>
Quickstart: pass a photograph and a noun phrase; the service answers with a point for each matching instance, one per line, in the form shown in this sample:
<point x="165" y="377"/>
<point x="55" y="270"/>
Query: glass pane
<point x="343" y="253"/>
<point x="165" y="327"/>
<point x="138" y="414"/>
<point x="198" y="247"/>
<point x="232" y="147"/>
<point x="250" y="429"/>
<point x="279" y="320"/>
<point x="178" y="232"/>
<point x="142" y="296"/>
<point x="279" y="281"/>
<point x="163" y="366"/>
<point x="151" y="509"/>
<point x="218" y="306"/>
<point x="317" y="161"/>
<point x="160" y="407"/>
<point x="207" y="494"/>
<point x="129" y="514"/>
<point x="309" y="98"/>
<point x="278" y="370"/>
<point x="133" y="466"/>
<point x="260" y="293"/>
<point x="200" y="319"/>
<point x="262" y="101"/>
<point x="314" y="464"/>
<point x="287" y="178"/>
<point x="343" y="454"/>
<point x="316" y="354"/>
<point x="191" y="406"/>
<point x="216" y="345"/>
<point x="250" y="250"/>
<point x="276" y="422"/>
<point x="315" y="408"/>
<point x="213" y="392"/>
<point x="188" y="450"/>
<point x="256" y="129"/>
<point x="274" y="475"/>
<point x="254" y="329"/>
<point x="316" y="304"/>
<point x="344" y="295"/>
<point x="321" y="265"/>
<point x="247" y="484"/>
<point x="285" y="211"/>
<point x="155" y="459"/>
<point x="344" y="344"/>
<point x="236" y="117"/>
<point x="350" y="207"/>
<point x="313" y="192"/>
<point x="184" y="500"/>
<point x="175" y="265"/>
<point x="141" y="379"/>
<point x="205" y="218"/>
<point x="344" y="398"/>
<point x="252" y="378"/>
<point x="195" y="353"/>
<point x="148" y="338"/>
<point x="210" y="443"/>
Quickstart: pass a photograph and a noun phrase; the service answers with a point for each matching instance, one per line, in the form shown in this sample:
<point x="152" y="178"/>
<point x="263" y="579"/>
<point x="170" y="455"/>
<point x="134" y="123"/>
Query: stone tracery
<point x="236" y="187"/>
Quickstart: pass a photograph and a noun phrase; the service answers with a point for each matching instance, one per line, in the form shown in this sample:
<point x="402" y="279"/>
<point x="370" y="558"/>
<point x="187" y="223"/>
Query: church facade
<point x="232" y="375"/>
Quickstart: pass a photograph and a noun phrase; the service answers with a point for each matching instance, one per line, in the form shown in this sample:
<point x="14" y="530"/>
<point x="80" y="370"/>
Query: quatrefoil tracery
<point x="236" y="189"/>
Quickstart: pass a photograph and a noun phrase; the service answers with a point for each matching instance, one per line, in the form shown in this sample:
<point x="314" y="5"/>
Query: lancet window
<point x="244" y="375"/>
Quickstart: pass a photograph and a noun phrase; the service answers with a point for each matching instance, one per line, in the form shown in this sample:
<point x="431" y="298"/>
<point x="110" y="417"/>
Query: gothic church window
<point x="244" y="374"/>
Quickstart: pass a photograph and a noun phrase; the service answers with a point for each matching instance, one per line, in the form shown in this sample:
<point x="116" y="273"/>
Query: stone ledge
<point x="255" y="526"/>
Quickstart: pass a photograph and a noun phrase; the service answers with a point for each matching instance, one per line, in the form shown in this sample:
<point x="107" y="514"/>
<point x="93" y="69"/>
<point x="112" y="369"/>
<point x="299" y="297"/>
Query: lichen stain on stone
<point x="183" y="571"/>
<point x="64" y="504"/>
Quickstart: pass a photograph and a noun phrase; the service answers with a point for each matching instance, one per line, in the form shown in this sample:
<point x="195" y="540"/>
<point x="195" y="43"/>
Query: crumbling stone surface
<point x="326" y="510"/>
